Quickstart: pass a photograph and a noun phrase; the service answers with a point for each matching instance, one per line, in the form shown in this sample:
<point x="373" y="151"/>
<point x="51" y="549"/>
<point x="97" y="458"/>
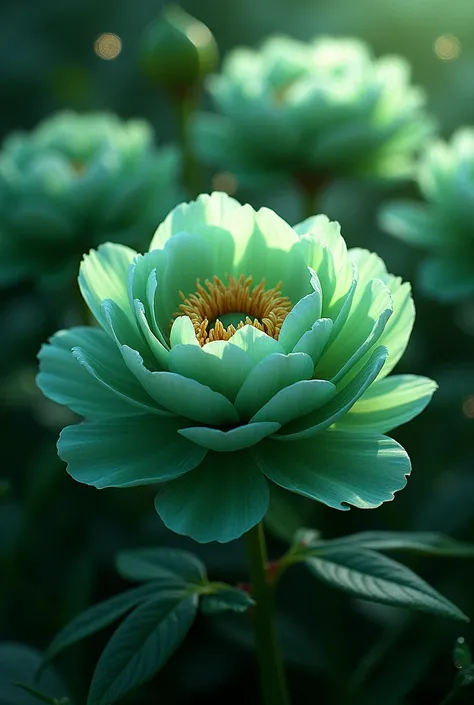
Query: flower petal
<point x="215" y="502"/>
<point x="314" y="341"/>
<point x="256" y="343"/>
<point x="103" y="275"/>
<point x="182" y="332"/>
<point x="157" y="349"/>
<point x="229" y="441"/>
<point x="388" y="403"/>
<point x="337" y="468"/>
<point x="299" y="399"/>
<point x="307" y="426"/>
<point x="127" y="452"/>
<point x="65" y="381"/>
<point x="300" y="320"/>
<point x="182" y="395"/>
<point x="220" y="365"/>
<point x="269" y="376"/>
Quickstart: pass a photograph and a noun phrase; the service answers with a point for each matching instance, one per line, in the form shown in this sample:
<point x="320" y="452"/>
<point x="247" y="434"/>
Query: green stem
<point x="272" y="674"/>
<point x="310" y="186"/>
<point x="185" y="102"/>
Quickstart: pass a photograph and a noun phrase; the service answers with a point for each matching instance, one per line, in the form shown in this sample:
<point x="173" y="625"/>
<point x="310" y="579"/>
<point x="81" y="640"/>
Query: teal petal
<point x="267" y="378"/>
<point x="300" y="320"/>
<point x="182" y="332"/>
<point x="342" y="310"/>
<point x="337" y="468"/>
<point x="64" y="380"/>
<point x="230" y="441"/>
<point x="220" y="365"/>
<point x="219" y="501"/>
<point x="103" y="275"/>
<point x="142" y="286"/>
<point x="314" y="341"/>
<point x="127" y="452"/>
<point x="184" y="396"/>
<point x="318" y="421"/>
<point x="297" y="400"/>
<point x="256" y="343"/>
<point x="388" y="403"/>
<point x="124" y="332"/>
<point x="159" y="351"/>
<point x="446" y="279"/>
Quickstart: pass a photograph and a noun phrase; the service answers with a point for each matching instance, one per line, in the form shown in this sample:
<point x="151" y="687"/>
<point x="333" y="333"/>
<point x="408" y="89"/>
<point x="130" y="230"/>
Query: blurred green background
<point x="58" y="539"/>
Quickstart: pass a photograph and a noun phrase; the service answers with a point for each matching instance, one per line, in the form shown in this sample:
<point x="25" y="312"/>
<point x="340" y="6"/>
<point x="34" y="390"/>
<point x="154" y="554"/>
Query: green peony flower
<point x="325" y="108"/>
<point x="445" y="223"/>
<point x="74" y="182"/>
<point x="238" y="352"/>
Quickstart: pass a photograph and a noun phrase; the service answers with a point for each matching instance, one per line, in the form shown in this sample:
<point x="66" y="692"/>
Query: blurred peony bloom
<point x="236" y="353"/>
<point x="74" y="182"/>
<point x="312" y="110"/>
<point x="444" y="224"/>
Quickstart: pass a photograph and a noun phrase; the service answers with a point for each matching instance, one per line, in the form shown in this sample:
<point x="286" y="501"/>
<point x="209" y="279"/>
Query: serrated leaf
<point x="167" y="565"/>
<point x="141" y="646"/>
<point x="372" y="576"/>
<point x="427" y="542"/>
<point x="98" y="617"/>
<point x="226" y="600"/>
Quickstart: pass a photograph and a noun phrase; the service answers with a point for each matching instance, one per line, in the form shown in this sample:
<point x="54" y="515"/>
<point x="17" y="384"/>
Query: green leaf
<point x="98" y="617"/>
<point x="427" y="542"/>
<point x="228" y="599"/>
<point x="18" y="685"/>
<point x="141" y="646"/>
<point x="167" y="565"/>
<point x="371" y="576"/>
<point x="38" y="695"/>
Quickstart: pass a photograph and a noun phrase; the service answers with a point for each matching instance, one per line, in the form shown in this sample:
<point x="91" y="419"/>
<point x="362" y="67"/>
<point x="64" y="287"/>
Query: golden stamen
<point x="265" y="310"/>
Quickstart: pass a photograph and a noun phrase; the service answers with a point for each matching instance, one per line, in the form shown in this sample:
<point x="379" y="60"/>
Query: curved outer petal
<point x="299" y="399"/>
<point x="387" y="404"/>
<point x="209" y="507"/>
<point x="103" y="275"/>
<point x="230" y="441"/>
<point x="68" y="380"/>
<point x="319" y="420"/>
<point x="314" y="341"/>
<point x="256" y="343"/>
<point x="337" y="468"/>
<point x="127" y="452"/>
<point x="300" y="320"/>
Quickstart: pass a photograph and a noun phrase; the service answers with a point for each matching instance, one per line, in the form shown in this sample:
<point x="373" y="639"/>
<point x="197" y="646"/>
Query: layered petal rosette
<point x="75" y="181"/>
<point x="238" y="352"/>
<point x="324" y="108"/>
<point x="444" y="223"/>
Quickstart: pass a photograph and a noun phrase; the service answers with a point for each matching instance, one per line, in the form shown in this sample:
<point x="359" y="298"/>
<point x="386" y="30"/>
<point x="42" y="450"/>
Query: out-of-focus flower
<point x="312" y="110"/>
<point x="236" y="353"/>
<point x="72" y="183"/>
<point x="444" y="223"/>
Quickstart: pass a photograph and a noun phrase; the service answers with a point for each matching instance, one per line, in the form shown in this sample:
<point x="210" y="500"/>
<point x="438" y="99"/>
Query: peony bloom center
<point x="217" y="310"/>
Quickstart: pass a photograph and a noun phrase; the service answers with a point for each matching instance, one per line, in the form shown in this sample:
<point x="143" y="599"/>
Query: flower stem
<point x="310" y="186"/>
<point x="272" y="674"/>
<point x="185" y="102"/>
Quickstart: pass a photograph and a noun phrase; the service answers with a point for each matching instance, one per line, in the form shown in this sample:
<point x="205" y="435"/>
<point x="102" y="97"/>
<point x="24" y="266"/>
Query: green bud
<point x="178" y="50"/>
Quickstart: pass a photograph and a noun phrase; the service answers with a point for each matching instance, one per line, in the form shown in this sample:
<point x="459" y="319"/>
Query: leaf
<point x="427" y="542"/>
<point x="286" y="513"/>
<point x="228" y="599"/>
<point x="18" y="665"/>
<point x="38" y="695"/>
<point x="98" y="617"/>
<point x="141" y="645"/>
<point x="167" y="565"/>
<point x="372" y="576"/>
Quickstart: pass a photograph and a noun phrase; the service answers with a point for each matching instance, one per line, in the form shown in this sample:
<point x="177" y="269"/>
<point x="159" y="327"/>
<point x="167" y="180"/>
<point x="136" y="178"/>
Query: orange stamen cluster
<point x="265" y="310"/>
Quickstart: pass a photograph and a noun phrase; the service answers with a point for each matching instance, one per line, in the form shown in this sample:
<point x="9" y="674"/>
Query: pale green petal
<point x="299" y="399"/>
<point x="184" y="396"/>
<point x="388" y="403"/>
<point x="369" y="265"/>
<point x="267" y="378"/>
<point x="127" y="452"/>
<point x="220" y="365"/>
<point x="103" y="275"/>
<point x="219" y="501"/>
<point x="159" y="351"/>
<point x="182" y="332"/>
<point x="318" y="421"/>
<point x="65" y="381"/>
<point x="300" y="320"/>
<point x="124" y="332"/>
<point x="314" y="341"/>
<point x="230" y="441"/>
<point x="337" y="468"/>
<point x="398" y="329"/>
<point x="256" y="343"/>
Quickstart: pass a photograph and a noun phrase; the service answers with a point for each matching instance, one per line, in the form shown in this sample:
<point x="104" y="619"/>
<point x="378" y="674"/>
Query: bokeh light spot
<point x="108" y="46"/>
<point x="226" y="182"/>
<point x="447" y="47"/>
<point x="468" y="407"/>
